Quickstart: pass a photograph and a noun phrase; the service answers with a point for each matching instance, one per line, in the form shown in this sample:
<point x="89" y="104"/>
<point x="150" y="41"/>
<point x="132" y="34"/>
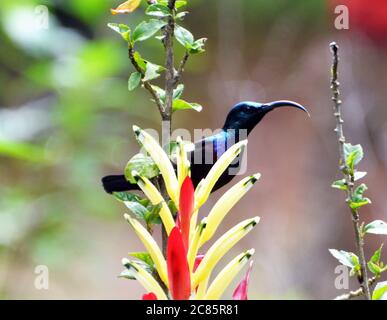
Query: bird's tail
<point x="117" y="183"/>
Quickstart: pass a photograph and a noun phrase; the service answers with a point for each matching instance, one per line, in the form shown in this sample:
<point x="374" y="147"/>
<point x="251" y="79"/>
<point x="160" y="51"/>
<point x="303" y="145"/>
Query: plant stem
<point x="146" y="84"/>
<point x="343" y="167"/>
<point x="181" y="67"/>
<point x="166" y="115"/>
<point x="358" y="293"/>
<point x="169" y="63"/>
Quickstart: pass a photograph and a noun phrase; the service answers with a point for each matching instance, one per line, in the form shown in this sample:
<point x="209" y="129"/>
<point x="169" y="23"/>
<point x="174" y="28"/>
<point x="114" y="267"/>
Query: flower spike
<point x="178" y="270"/>
<point x="225" y="276"/>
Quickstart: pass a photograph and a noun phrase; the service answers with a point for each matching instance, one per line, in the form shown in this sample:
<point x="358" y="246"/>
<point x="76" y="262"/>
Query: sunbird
<point x="240" y="121"/>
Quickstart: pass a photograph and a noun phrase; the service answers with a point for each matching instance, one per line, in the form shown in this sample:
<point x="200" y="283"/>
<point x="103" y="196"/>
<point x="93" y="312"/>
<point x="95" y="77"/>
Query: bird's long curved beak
<point x="284" y="103"/>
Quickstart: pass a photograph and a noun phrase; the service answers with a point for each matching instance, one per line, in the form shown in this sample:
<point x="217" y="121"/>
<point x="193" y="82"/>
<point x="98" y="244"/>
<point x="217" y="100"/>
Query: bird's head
<point x="246" y="115"/>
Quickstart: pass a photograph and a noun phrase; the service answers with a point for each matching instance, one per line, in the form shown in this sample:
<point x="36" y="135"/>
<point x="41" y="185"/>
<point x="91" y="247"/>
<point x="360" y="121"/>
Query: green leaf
<point x="158" y="10"/>
<point x="160" y="92"/>
<point x="134" y="80"/>
<point x="178" y="3"/>
<point x="374" y="268"/>
<point x="197" y="46"/>
<point x="152" y="71"/>
<point x="144" y="165"/>
<point x="184" y="37"/>
<point x="377" y="255"/>
<point x="358" y="200"/>
<point x="348" y="259"/>
<point x="181" y="15"/>
<point x="122" y="29"/>
<point x="180" y="104"/>
<point x="127" y="196"/>
<point x="353" y="155"/>
<point x="376" y="227"/>
<point x="143" y="256"/>
<point x="172" y="207"/>
<point x="340" y="184"/>
<point x="140" y="61"/>
<point x="380" y="291"/>
<point x="178" y="91"/>
<point x="145" y="30"/>
<point x="153" y="217"/>
<point x="137" y="208"/>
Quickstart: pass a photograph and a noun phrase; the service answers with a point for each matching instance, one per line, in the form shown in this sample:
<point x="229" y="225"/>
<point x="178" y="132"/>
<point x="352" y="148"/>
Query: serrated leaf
<point x="122" y="29"/>
<point x="126" y="7"/>
<point x="376" y="227"/>
<point x="348" y="259"/>
<point x="340" y="184"/>
<point x="146" y="30"/>
<point x="143" y="165"/>
<point x="184" y="37"/>
<point x="134" y="81"/>
<point x="353" y="155"/>
<point x="380" y="291"/>
<point x="158" y="10"/>
<point x="180" y="104"/>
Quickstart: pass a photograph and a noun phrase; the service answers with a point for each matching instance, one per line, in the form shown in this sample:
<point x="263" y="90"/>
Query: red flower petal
<point x="186" y="206"/>
<point x="198" y="260"/>
<point x="177" y="265"/>
<point x="149" y="296"/>
<point x="240" y="292"/>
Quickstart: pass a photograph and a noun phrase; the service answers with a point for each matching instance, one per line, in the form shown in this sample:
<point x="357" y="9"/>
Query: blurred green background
<point x="65" y="119"/>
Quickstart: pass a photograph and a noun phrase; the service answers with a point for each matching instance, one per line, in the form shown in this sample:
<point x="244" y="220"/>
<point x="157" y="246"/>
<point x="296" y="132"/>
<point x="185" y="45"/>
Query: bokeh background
<point x="66" y="114"/>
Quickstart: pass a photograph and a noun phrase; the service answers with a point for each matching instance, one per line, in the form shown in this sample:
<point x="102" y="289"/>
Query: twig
<point x="146" y="84"/>
<point x="358" y="293"/>
<point x="343" y="167"/>
<point x="181" y="68"/>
